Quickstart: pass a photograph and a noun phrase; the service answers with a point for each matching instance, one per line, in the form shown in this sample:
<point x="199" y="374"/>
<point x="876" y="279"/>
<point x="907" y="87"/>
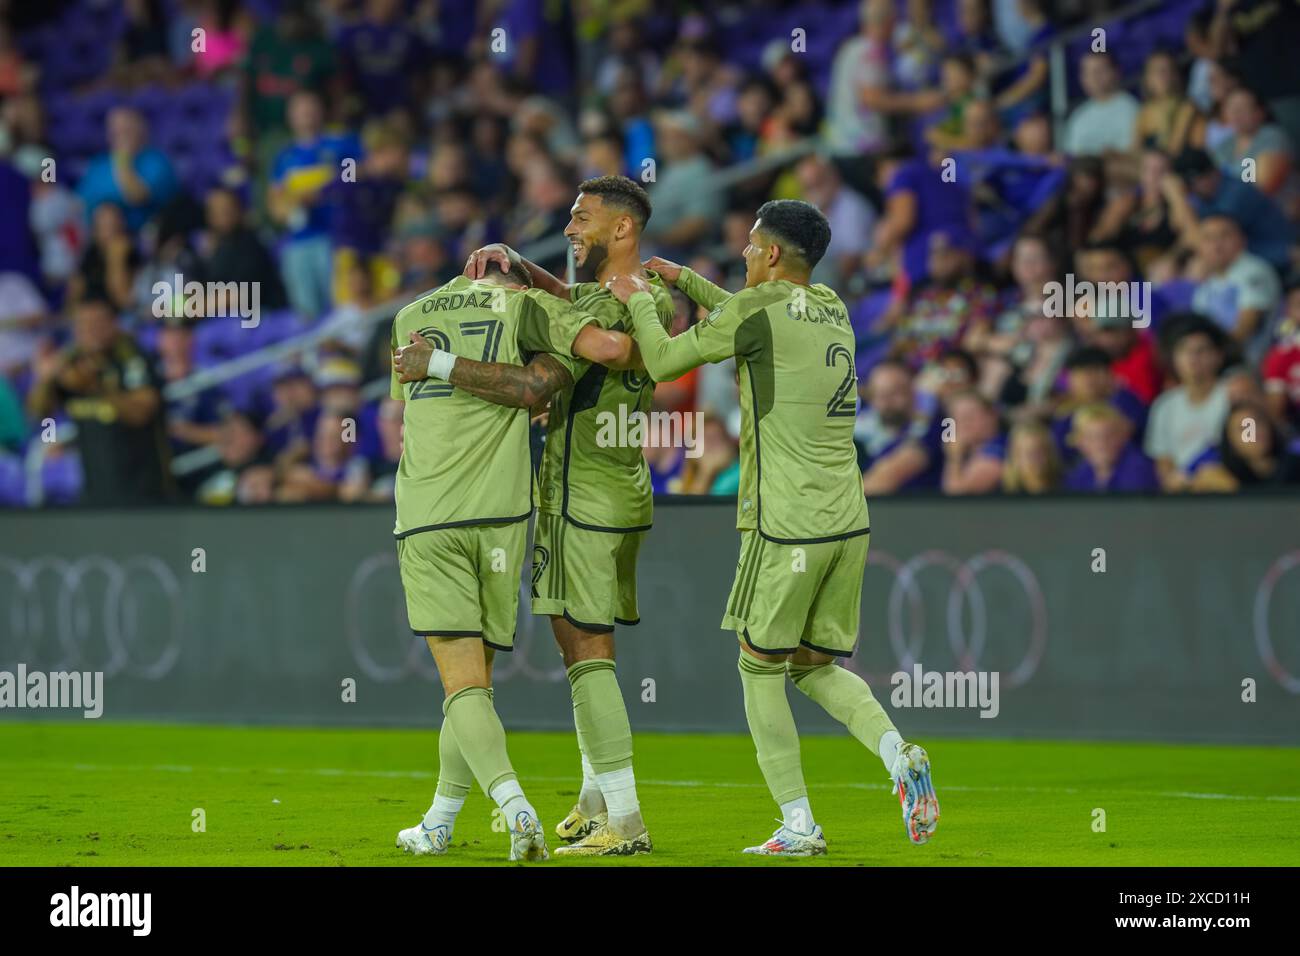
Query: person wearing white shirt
<point x="1105" y="121"/>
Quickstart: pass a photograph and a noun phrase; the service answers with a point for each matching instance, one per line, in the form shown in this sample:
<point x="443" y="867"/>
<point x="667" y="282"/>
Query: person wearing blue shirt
<point x="299" y="175"/>
<point x="1197" y="189"/>
<point x="132" y="174"/>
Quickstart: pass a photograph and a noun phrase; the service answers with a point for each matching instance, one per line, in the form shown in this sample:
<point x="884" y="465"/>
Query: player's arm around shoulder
<point x="693" y="285"/>
<point x="514" y="386"/>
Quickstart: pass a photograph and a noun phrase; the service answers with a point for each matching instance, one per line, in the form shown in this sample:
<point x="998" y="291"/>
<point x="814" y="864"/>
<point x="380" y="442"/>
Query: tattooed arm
<point x="516" y="386"/>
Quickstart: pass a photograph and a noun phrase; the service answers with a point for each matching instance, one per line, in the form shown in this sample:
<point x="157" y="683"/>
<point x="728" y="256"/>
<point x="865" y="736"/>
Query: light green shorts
<point x="464" y="582"/>
<point x="791" y="594"/>
<point x="586" y="577"/>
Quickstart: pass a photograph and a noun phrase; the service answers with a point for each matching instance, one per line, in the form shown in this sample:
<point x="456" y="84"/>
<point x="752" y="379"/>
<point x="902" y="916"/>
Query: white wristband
<point x="440" y="364"/>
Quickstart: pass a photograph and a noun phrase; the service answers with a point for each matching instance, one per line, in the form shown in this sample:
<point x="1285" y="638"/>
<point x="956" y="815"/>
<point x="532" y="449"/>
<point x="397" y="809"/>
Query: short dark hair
<point x="964" y="358"/>
<point x="799" y="225"/>
<point x="619" y="191"/>
<point x="517" y="273"/>
<point x="1087" y="356"/>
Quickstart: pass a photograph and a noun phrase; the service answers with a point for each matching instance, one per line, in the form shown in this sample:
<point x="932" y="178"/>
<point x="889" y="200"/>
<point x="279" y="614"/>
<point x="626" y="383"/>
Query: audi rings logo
<point x="385" y="649"/>
<point x="906" y="609"/>
<point x="57" y="611"/>
<point x="1263" y="630"/>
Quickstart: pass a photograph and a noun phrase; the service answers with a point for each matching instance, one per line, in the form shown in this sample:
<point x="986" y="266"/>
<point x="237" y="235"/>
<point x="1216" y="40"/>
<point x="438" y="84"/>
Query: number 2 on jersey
<point x="844" y="402"/>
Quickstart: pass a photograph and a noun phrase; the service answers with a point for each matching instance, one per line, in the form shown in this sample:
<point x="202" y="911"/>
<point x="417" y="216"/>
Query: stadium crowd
<point x="1103" y="301"/>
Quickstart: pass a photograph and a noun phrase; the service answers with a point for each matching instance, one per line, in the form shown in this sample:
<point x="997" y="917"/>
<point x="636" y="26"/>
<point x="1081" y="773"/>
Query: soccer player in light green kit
<point x="464" y="493"/>
<point x="801" y="513"/>
<point x="596" y="505"/>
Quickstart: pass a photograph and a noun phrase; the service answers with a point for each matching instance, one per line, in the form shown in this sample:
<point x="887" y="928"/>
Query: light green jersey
<point x="793" y="344"/>
<point x="596" y="483"/>
<point x="464" y="460"/>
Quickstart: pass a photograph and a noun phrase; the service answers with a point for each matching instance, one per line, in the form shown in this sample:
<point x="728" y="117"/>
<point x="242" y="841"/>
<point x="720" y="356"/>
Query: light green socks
<point x="600" y="716"/>
<point x="478" y="737"/>
<point x="846" y="697"/>
<point x="454" y="776"/>
<point x="771" y="724"/>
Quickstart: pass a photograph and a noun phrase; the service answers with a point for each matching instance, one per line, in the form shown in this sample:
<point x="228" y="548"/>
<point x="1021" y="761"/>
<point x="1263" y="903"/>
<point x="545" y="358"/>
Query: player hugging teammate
<point x="800" y="492"/>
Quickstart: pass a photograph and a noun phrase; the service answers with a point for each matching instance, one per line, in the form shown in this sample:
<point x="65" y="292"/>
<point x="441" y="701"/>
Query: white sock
<point x="797" y="816"/>
<point x="590" y="800"/>
<point x="509" y="796"/>
<point x="618" y="787"/>
<point x="890" y="742"/>
<point x="443" y="812"/>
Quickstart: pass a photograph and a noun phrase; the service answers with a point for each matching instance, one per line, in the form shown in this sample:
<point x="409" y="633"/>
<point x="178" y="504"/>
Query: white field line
<point x="574" y="780"/>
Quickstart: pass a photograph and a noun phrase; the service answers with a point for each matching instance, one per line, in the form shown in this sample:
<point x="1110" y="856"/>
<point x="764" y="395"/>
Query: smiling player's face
<point x="590" y="229"/>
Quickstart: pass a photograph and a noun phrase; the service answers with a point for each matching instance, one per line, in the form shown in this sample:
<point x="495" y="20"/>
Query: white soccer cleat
<point x="527" y="841"/>
<point x="423" y="841"/>
<point x="786" y="842"/>
<point x="915" y="789"/>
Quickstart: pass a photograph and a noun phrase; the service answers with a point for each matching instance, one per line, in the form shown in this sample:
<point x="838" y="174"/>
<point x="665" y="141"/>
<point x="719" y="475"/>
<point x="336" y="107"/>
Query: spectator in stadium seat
<point x="1281" y="368"/>
<point x="1240" y="290"/>
<point x="861" y="73"/>
<point x="373" y="479"/>
<point x="292" y="419"/>
<point x="1032" y="266"/>
<point x="1106" y="121"/>
<point x="1167" y="116"/>
<point x="1024" y="28"/>
<point x="284" y="57"/>
<point x="1187" y="419"/>
<point x="361" y="212"/>
<point x="1197" y="189"/>
<point x="107" y="385"/>
<point x="381" y="58"/>
<point x="956" y="128"/>
<point x="716" y="471"/>
<point x="1139" y="220"/>
<point x="1108" y="458"/>
<point x="244" y="463"/>
<point x="976" y="38"/>
<point x="919" y="201"/>
<point x="974" y="456"/>
<point x="899" y="446"/>
<point x="949" y="306"/>
<point x="299" y="176"/>
<point x="321" y="476"/>
<point x="24" y="319"/>
<point x="687" y="202"/>
<point x="230" y="251"/>
<point x="108" y="266"/>
<point x="1132" y="353"/>
<point x="1255" y="139"/>
<point x="1033" y="465"/>
<point x="132" y="174"/>
<point x="192" y="421"/>
<point x="850" y="216"/>
<point x="1090" y="381"/>
<point x="1264" y="37"/>
<point x="1251" y="455"/>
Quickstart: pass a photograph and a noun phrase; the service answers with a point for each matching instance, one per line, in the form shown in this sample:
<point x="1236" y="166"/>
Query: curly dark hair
<point x="621" y="192"/>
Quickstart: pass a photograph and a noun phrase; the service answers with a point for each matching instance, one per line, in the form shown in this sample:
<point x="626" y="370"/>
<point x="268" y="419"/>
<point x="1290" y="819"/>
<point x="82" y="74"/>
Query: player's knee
<point x="801" y="670"/>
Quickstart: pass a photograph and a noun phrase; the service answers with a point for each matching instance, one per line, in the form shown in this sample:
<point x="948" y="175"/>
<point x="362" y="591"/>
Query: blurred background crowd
<point x="342" y="156"/>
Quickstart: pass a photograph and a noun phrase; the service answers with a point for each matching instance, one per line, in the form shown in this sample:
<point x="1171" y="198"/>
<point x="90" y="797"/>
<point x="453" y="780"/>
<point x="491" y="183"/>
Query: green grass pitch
<point x="91" y="794"/>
